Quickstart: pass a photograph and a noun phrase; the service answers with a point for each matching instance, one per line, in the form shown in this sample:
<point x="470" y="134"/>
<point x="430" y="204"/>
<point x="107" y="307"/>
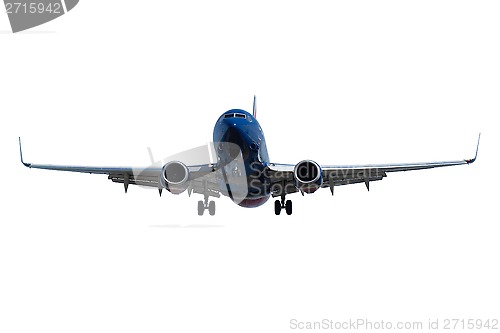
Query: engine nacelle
<point x="308" y="176"/>
<point x="174" y="177"/>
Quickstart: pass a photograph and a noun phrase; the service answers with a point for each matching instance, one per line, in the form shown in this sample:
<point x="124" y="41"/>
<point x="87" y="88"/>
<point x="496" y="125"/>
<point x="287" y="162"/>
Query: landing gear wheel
<point x="211" y="208"/>
<point x="201" y="208"/>
<point x="277" y="207"/>
<point x="288" y="207"/>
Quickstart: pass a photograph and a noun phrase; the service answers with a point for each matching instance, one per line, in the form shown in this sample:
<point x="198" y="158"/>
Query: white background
<point x="338" y="82"/>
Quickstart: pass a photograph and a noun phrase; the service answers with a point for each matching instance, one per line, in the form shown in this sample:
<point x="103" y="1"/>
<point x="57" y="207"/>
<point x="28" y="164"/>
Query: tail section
<point x="255" y="106"/>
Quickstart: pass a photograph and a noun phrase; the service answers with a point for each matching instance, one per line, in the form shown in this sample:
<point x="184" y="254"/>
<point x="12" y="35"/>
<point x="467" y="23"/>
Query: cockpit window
<point x="235" y="115"/>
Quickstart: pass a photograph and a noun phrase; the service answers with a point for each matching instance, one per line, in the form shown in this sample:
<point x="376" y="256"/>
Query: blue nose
<point x="230" y="122"/>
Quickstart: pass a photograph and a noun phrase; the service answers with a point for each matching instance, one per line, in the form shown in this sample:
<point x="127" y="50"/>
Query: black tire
<point x="288" y="207"/>
<point x="211" y="208"/>
<point x="277" y="207"/>
<point x="201" y="208"/>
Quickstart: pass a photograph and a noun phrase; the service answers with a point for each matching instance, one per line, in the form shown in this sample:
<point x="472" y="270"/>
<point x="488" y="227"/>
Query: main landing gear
<point x="206" y="205"/>
<point x="280" y="204"/>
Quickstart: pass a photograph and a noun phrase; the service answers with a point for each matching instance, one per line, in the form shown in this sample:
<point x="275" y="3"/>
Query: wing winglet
<point x="21" y="153"/>
<point x="472" y="160"/>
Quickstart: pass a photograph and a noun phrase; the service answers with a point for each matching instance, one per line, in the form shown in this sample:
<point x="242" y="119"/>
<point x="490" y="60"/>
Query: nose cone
<point x="232" y="134"/>
<point x="230" y="122"/>
<point x="230" y="143"/>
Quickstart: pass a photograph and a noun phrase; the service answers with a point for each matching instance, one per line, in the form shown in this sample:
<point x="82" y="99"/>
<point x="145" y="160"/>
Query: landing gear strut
<point x="202" y="205"/>
<point x="205" y="204"/>
<point x="280" y="204"/>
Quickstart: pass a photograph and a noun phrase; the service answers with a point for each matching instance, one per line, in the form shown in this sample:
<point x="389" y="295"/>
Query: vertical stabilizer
<point x="254" y="106"/>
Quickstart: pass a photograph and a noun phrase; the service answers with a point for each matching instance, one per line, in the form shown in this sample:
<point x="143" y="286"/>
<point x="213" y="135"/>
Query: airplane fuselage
<point x="238" y="133"/>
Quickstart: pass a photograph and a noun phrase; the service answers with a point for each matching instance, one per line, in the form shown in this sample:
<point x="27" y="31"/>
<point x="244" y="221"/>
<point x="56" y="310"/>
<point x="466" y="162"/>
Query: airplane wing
<point x="283" y="179"/>
<point x="202" y="178"/>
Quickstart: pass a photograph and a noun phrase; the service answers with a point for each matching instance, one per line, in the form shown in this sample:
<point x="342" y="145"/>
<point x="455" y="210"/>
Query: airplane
<point x="243" y="170"/>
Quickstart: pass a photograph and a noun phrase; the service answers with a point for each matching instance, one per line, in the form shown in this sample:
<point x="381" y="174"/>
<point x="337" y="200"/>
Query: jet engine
<point x="174" y="177"/>
<point x="308" y="176"/>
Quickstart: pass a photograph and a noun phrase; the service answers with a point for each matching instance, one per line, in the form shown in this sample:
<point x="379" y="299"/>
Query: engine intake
<point x="174" y="177"/>
<point x="308" y="176"/>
